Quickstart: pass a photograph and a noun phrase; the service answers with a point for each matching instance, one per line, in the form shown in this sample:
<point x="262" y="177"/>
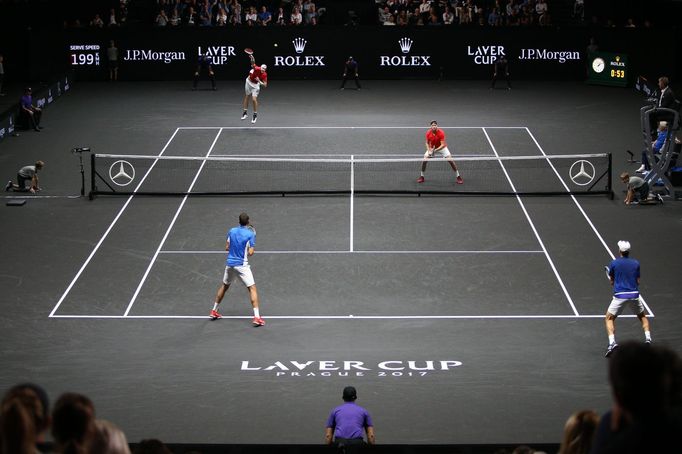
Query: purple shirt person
<point x="31" y="113"/>
<point x="347" y="422"/>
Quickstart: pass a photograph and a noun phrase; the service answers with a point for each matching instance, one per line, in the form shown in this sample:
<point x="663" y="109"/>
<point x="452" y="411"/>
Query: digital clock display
<point x="84" y="54"/>
<point x="607" y="68"/>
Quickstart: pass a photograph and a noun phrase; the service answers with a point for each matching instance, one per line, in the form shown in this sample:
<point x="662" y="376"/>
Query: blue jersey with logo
<point x="241" y="238"/>
<point x="625" y="273"/>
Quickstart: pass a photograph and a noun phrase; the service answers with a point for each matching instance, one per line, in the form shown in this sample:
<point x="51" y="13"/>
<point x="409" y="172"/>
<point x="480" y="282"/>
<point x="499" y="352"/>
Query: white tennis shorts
<point x="443" y="152"/>
<point x="241" y="272"/>
<point x="618" y="304"/>
<point x="251" y="89"/>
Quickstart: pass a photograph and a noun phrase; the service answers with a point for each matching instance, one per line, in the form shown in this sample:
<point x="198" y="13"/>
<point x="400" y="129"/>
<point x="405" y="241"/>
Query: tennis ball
<point x="276" y="44"/>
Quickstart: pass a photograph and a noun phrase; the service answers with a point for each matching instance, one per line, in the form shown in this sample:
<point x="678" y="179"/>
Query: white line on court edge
<point x="580" y="208"/>
<point x="361" y="252"/>
<point x="170" y="227"/>
<point x="41" y="197"/>
<point x="350" y="317"/>
<point x="530" y="221"/>
<point x="348" y="127"/>
<point x="111" y="226"/>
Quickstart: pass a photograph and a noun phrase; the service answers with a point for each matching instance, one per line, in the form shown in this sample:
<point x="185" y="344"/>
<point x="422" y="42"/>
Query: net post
<point x="91" y="194"/>
<point x="609" y="181"/>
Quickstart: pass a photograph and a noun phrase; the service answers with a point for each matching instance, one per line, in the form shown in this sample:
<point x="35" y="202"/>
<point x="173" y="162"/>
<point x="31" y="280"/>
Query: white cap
<point x="264" y="67"/>
<point x="623" y="246"/>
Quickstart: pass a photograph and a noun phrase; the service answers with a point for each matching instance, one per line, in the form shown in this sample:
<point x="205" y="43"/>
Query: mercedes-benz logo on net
<point x="122" y="173"/>
<point x="582" y="172"/>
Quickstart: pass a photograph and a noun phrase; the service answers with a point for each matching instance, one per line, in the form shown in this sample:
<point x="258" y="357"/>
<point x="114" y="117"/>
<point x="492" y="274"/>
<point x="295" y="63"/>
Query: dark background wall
<point x="451" y="53"/>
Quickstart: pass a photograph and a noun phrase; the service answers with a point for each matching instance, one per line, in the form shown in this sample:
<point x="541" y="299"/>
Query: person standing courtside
<point x="241" y="243"/>
<point x="350" y="69"/>
<point x="112" y="59"/>
<point x="624" y="277"/>
<point x="347" y="422"/>
<point x="501" y="69"/>
<point x="435" y="143"/>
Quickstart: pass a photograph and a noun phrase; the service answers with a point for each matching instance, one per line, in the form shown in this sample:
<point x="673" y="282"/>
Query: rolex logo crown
<point x="405" y="44"/>
<point x="299" y="45"/>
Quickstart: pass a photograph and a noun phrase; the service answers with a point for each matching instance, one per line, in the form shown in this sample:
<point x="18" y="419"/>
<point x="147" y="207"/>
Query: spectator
<point x="296" y="17"/>
<point x="236" y="13"/>
<point x="433" y="20"/>
<point x="579" y="432"/>
<point x="73" y="423"/>
<point x="251" y="17"/>
<point x="204" y="16"/>
<point x="494" y="18"/>
<point x="390" y="21"/>
<point x="402" y="18"/>
<point x="175" y="20"/>
<point x="448" y="16"/>
<point x="579" y="10"/>
<point x="112" y="59"/>
<point x="311" y="14"/>
<point x="191" y="18"/>
<point x="97" y="22"/>
<point x="280" y="18"/>
<point x="2" y="73"/>
<point x="161" y="19"/>
<point x="24" y="419"/>
<point x="542" y="10"/>
<point x="592" y="47"/>
<point x="108" y="439"/>
<point x="264" y="17"/>
<point x="347" y="422"/>
<point x="646" y="415"/>
<point x="112" y="18"/>
<point x="630" y="23"/>
<point x="30" y="113"/>
<point x="384" y="14"/>
<point x="425" y="9"/>
<point x="221" y="17"/>
<point x="624" y="276"/>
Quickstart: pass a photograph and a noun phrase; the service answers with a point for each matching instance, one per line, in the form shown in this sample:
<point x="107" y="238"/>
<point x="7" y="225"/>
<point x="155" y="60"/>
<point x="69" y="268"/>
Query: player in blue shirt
<point x="624" y="276"/>
<point x="240" y="245"/>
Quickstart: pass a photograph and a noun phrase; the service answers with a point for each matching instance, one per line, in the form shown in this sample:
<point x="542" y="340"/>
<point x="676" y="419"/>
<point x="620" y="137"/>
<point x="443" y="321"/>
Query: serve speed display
<point x="84" y="54"/>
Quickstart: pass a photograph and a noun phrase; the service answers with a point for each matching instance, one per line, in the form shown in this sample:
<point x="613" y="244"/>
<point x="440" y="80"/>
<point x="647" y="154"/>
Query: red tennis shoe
<point x="420" y="180"/>
<point x="257" y="321"/>
<point x="214" y="315"/>
<point x="460" y="180"/>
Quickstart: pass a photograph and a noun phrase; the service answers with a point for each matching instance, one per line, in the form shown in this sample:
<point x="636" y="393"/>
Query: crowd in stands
<point x="115" y="16"/>
<point x="638" y="422"/>
<point x="249" y="13"/>
<point x="490" y="13"/>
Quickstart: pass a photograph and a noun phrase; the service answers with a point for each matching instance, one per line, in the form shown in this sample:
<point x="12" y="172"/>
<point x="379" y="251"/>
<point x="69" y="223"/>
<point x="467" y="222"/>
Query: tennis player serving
<point x="241" y="243"/>
<point x="256" y="79"/>
<point x="435" y="143"/>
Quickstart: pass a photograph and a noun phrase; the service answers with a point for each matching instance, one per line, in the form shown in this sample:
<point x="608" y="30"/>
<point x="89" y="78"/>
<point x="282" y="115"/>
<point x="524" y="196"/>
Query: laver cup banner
<point x="398" y="53"/>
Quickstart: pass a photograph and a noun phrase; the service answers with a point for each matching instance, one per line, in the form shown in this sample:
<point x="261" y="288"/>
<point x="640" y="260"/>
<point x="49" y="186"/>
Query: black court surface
<point x="460" y="320"/>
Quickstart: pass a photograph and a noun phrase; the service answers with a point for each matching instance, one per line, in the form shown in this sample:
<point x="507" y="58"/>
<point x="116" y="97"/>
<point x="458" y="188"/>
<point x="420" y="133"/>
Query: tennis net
<point x="483" y="175"/>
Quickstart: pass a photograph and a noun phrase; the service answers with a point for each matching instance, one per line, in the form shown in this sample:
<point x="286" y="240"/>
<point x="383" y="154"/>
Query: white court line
<point x="305" y="155"/>
<point x="111" y="226"/>
<point x="580" y="208"/>
<point x="349" y="317"/>
<point x="537" y="235"/>
<point x="170" y="227"/>
<point x="424" y="127"/>
<point x="361" y="252"/>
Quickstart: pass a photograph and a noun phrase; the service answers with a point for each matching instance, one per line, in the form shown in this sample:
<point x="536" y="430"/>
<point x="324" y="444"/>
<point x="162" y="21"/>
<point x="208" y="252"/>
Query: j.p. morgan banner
<point x="309" y="53"/>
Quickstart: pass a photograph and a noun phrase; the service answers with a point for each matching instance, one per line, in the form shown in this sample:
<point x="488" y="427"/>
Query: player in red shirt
<point x="256" y="79"/>
<point x="435" y="143"/>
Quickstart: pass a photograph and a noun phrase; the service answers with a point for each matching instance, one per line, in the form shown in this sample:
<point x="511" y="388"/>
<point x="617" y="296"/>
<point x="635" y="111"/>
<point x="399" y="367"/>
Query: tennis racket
<point x="248" y="50"/>
<point x="606" y="268"/>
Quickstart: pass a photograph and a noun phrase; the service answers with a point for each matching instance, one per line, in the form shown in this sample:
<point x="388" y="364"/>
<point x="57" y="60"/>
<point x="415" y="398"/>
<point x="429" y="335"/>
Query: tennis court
<point x="459" y="319"/>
